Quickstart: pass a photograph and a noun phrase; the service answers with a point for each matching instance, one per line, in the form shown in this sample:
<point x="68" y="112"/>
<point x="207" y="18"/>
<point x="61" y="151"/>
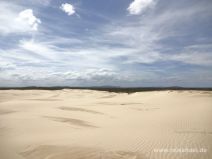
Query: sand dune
<point x="79" y="109"/>
<point x="56" y="152"/>
<point x="71" y="121"/>
<point x="86" y="124"/>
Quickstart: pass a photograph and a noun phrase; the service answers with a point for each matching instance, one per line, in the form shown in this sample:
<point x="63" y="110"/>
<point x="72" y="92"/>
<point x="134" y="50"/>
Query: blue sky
<point x="113" y="42"/>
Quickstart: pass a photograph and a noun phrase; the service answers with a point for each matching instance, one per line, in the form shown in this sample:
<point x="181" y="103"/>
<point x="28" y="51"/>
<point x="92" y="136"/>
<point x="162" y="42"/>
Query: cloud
<point x="26" y="76"/>
<point x="68" y="8"/>
<point x="95" y="74"/>
<point x="163" y="47"/>
<point x="42" y="2"/>
<point x="4" y="65"/>
<point x="35" y="3"/>
<point x="139" y="6"/>
<point x="41" y="50"/>
<point x="27" y="18"/>
<point x="195" y="54"/>
<point x="15" y="19"/>
<point x="163" y="36"/>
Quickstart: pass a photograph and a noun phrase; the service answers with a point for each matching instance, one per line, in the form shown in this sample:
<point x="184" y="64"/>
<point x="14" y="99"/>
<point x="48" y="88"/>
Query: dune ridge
<point x="90" y="124"/>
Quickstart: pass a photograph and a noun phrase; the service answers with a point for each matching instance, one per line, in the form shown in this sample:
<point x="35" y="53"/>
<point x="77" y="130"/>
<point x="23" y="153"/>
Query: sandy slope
<point x="84" y="124"/>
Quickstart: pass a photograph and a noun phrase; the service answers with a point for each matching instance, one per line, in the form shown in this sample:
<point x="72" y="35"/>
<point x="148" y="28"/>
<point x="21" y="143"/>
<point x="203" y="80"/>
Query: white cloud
<point x="46" y="51"/>
<point x="6" y="65"/>
<point x="68" y="8"/>
<point x="50" y="76"/>
<point x="195" y="54"/>
<point x="49" y="51"/>
<point x="197" y="58"/>
<point x="139" y="6"/>
<point x="95" y="74"/>
<point x="27" y="18"/>
<point x="31" y="45"/>
<point x="14" y="19"/>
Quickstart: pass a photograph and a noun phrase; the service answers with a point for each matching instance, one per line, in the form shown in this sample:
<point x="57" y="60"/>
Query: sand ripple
<point x="64" y="152"/>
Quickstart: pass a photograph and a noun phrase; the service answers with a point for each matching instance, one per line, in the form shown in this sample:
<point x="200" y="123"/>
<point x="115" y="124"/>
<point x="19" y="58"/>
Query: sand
<point x="86" y="124"/>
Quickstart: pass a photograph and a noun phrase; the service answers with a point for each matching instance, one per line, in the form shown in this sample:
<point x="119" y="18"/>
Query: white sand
<point x="84" y="124"/>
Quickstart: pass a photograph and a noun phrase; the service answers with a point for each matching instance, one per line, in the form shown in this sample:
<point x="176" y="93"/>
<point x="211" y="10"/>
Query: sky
<point x="128" y="43"/>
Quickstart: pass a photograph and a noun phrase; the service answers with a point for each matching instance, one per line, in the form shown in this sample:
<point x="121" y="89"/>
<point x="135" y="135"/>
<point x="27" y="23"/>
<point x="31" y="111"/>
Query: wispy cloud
<point x="43" y="50"/>
<point x="139" y="6"/>
<point x="195" y="54"/>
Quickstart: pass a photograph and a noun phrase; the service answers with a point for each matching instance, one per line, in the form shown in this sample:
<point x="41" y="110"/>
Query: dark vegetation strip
<point x="111" y="89"/>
